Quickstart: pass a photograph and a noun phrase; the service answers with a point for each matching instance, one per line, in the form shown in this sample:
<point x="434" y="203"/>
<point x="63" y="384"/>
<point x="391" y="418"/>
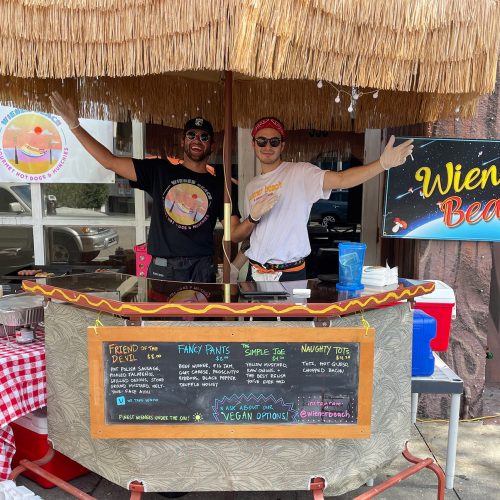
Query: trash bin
<point x="51" y="202"/>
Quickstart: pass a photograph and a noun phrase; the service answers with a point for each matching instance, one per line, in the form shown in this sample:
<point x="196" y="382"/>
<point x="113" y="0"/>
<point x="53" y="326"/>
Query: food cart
<point x="91" y="318"/>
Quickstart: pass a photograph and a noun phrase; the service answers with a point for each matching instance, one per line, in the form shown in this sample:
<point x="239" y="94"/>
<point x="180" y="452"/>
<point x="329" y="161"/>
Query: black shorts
<point x="194" y="269"/>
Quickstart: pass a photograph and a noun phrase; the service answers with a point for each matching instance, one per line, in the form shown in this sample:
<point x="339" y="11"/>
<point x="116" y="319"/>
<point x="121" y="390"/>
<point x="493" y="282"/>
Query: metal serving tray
<point x="21" y="309"/>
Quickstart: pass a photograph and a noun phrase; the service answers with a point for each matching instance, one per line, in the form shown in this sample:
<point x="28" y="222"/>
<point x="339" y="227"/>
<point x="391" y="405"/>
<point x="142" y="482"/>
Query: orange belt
<point x="301" y="265"/>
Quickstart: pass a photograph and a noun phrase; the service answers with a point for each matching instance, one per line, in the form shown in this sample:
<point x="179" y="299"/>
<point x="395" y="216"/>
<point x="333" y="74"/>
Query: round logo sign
<point x="32" y="145"/>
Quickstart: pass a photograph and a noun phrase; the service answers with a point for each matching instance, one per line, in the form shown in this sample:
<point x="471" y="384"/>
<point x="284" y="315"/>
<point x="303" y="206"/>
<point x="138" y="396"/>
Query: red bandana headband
<point x="269" y="123"/>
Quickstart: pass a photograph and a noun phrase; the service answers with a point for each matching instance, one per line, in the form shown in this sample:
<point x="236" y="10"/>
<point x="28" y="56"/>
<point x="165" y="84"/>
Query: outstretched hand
<point x="263" y="206"/>
<point x="64" y="109"/>
<point x="394" y="156"/>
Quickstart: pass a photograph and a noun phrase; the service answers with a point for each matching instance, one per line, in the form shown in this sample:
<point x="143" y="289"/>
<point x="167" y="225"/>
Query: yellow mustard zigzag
<point x="127" y="308"/>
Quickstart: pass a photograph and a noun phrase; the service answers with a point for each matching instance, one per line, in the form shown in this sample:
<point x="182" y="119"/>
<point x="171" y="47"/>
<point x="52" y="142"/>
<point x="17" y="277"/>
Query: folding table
<point x="443" y="381"/>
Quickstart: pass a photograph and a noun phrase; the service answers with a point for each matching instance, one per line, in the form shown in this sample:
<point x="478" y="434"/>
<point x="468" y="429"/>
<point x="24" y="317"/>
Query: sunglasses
<point x="203" y="136"/>
<point x="263" y="141"/>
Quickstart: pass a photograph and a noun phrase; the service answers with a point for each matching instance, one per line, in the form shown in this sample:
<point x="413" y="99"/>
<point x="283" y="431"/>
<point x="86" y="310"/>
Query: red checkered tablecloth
<point x="23" y="389"/>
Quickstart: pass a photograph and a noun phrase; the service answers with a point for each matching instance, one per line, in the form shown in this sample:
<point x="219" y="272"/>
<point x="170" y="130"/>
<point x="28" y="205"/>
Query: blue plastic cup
<point x="351" y="258"/>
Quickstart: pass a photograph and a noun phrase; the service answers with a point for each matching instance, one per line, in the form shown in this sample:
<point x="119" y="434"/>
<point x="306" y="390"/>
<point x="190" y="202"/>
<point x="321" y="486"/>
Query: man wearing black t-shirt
<point x="187" y="199"/>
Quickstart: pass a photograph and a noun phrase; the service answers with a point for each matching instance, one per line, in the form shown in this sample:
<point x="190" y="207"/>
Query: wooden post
<point x="228" y="134"/>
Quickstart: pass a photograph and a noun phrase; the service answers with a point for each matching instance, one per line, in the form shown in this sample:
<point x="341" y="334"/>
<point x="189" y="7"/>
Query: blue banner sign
<point x="449" y="189"/>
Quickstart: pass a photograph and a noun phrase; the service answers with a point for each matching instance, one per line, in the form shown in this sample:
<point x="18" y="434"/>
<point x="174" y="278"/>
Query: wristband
<point x="382" y="164"/>
<point x="252" y="220"/>
<point x="72" y="127"/>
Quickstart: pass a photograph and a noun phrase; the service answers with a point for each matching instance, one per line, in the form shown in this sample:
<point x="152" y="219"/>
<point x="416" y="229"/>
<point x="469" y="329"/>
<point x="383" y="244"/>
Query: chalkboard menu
<point x="230" y="382"/>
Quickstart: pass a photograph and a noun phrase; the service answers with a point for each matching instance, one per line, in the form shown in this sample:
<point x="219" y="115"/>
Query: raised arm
<point x="121" y="166"/>
<point x="391" y="157"/>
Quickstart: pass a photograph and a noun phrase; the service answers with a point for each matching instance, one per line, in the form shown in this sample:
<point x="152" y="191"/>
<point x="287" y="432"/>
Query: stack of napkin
<point x="379" y="275"/>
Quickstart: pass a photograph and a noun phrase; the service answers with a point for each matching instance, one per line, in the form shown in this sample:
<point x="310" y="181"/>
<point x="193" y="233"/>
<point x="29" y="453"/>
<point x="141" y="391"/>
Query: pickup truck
<point x="67" y="244"/>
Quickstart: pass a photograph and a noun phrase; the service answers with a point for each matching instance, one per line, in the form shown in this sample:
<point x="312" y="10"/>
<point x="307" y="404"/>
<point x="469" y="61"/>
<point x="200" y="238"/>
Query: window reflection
<point x="99" y="246"/>
<point x="89" y="200"/>
<point x="16" y="248"/>
<point x="15" y="199"/>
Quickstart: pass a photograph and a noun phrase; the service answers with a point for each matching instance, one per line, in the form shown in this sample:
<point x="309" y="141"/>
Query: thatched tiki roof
<point x="160" y="60"/>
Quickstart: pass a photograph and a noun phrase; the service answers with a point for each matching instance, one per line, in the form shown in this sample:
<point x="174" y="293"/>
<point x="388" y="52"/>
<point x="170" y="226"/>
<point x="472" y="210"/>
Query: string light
<point x="354" y="94"/>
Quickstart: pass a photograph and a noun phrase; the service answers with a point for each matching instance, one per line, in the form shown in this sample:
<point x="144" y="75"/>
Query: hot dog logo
<point x="32" y="145"/>
<point x="186" y="204"/>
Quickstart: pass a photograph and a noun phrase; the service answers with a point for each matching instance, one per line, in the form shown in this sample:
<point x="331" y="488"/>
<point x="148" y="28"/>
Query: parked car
<point x="332" y="210"/>
<point x="67" y="244"/>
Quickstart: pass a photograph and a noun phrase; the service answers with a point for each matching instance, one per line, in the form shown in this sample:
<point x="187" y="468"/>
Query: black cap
<point x="199" y="123"/>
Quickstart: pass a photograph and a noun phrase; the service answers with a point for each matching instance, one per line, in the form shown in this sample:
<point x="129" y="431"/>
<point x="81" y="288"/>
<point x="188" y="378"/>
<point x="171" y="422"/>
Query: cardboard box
<point x="440" y="304"/>
<point x="30" y="434"/>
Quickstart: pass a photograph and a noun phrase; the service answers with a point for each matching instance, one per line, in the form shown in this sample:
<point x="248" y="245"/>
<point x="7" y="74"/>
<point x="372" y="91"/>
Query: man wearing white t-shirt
<point x="279" y="241"/>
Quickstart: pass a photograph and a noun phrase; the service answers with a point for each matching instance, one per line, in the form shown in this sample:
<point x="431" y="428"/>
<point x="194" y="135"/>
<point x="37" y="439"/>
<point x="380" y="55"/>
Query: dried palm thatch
<point x="158" y="60"/>
<point x="169" y="99"/>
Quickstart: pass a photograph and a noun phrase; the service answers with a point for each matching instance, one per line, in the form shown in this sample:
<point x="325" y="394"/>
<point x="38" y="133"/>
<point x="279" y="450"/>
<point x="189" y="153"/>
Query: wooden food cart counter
<point x="339" y="418"/>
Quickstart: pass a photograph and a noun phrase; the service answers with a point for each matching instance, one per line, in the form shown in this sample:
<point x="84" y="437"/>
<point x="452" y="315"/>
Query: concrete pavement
<point x="477" y="471"/>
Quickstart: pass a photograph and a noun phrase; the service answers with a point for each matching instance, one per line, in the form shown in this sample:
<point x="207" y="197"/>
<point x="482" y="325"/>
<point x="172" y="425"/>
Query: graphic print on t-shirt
<point x="268" y="188"/>
<point x="186" y="204"/>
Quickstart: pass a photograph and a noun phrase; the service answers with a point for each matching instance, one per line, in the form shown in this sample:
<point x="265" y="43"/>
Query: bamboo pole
<point x="228" y="134"/>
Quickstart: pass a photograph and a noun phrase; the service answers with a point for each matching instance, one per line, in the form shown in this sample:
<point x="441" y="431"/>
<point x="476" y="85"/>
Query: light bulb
<point x="337" y="99"/>
<point x="209" y="101"/>
<point x="375" y="95"/>
<point x="320" y="84"/>
<point x="350" y="108"/>
<point x="457" y="109"/>
<point x="355" y="96"/>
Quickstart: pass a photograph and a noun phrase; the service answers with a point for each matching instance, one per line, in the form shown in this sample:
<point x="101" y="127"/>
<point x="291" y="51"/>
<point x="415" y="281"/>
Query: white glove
<point x="394" y="156"/>
<point x="263" y="206"/>
<point x="233" y="273"/>
<point x="65" y="110"/>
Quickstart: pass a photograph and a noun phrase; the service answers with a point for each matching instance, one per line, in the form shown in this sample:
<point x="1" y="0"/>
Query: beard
<point x="197" y="156"/>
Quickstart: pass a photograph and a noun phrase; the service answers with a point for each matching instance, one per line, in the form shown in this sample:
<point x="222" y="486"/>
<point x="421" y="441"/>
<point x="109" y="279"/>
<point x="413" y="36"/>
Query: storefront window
<point x="16" y="248"/>
<point x="80" y="200"/>
<point x="98" y="246"/>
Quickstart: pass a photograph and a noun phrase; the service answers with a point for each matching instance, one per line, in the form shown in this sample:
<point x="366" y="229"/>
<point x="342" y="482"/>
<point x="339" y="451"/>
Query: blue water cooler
<point x="424" y="330"/>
